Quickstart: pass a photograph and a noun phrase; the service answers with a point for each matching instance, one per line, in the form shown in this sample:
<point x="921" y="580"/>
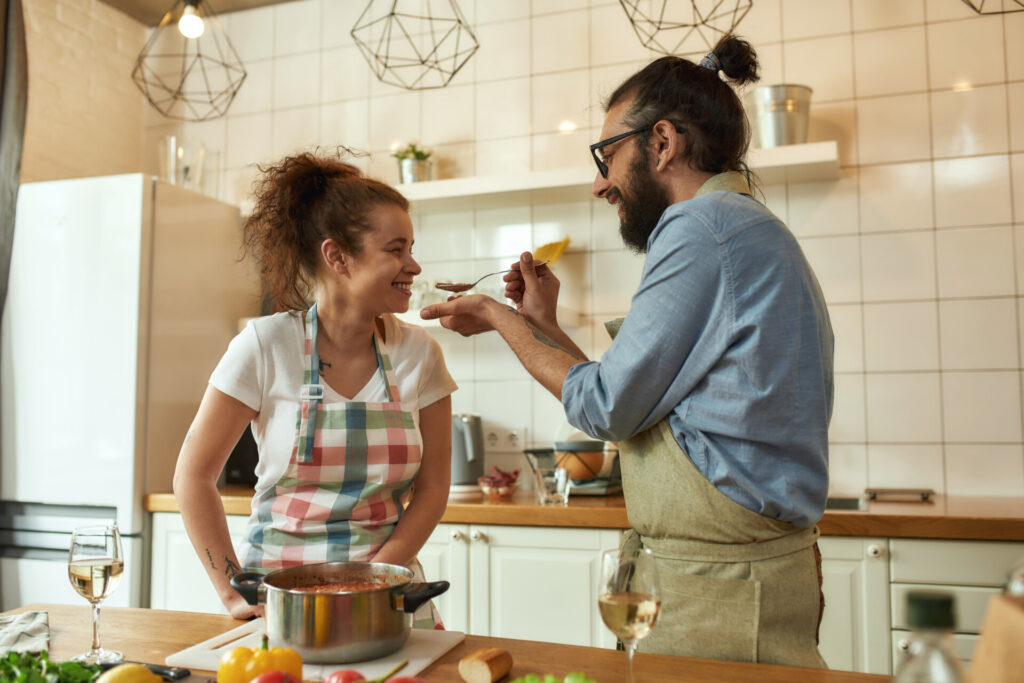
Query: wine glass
<point x="95" y="565"/>
<point x="629" y="597"/>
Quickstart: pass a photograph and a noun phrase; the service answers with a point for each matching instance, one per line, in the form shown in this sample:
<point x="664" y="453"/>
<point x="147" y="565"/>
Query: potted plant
<point x="413" y="163"/>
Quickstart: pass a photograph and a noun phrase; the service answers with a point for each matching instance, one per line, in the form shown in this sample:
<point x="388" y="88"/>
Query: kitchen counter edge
<point x="943" y="517"/>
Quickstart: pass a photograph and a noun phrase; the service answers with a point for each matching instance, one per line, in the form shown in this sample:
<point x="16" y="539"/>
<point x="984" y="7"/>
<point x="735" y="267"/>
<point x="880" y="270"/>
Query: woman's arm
<point x="215" y="430"/>
<point x="430" y="490"/>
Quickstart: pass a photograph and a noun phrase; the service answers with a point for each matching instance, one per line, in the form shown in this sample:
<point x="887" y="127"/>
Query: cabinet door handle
<point x="874" y="550"/>
<point x="903" y="645"/>
<point x="478" y="536"/>
<point x="458" y="535"/>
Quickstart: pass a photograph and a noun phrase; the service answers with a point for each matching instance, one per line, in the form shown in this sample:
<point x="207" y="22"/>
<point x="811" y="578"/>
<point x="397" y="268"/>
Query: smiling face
<point x="630" y="184"/>
<point x="380" y="275"/>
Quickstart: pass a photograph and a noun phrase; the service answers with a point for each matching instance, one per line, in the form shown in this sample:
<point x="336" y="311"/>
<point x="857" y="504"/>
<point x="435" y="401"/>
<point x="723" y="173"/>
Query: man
<point x="718" y="384"/>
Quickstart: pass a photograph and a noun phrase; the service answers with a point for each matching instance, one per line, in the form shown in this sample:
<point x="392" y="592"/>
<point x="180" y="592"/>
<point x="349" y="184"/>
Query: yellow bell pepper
<point x="242" y="664"/>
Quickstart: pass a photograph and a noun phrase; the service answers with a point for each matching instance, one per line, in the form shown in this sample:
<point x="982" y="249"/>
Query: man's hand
<point x="534" y="291"/>
<point x="467" y="315"/>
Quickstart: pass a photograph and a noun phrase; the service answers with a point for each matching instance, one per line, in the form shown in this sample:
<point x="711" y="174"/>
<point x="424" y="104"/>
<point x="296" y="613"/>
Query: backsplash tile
<point x="985" y="470"/>
<point x="982" y="407"/>
<point x="969" y="122"/>
<point x="901" y="336"/>
<point x="966" y="53"/>
<point x="823" y="64"/>
<point x="975" y="262"/>
<point x="918" y="245"/>
<point x="906" y="466"/>
<point x="964" y="349"/>
<point x="904" y="407"/>
<point x="899" y="265"/>
<point x="972" y="191"/>
<point x="890" y="61"/>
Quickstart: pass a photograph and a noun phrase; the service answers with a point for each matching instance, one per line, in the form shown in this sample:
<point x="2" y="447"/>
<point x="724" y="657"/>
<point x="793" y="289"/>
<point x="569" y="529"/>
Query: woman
<point x="371" y="397"/>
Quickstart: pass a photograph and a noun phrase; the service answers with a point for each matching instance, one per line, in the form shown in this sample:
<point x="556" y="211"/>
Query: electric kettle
<point x="467" y="449"/>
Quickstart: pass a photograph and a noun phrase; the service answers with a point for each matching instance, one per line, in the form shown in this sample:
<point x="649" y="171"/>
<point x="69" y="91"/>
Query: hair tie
<point x="710" y="61"/>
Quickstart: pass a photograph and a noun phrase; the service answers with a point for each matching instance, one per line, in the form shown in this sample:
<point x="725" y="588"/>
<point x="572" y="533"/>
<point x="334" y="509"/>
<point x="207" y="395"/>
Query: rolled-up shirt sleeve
<point x="667" y="342"/>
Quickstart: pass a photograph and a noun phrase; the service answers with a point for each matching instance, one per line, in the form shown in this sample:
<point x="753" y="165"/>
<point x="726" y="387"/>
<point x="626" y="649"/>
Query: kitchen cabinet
<point x="521" y="582"/>
<point x="973" y="571"/>
<point x="178" y="580"/>
<point x="854" y="633"/>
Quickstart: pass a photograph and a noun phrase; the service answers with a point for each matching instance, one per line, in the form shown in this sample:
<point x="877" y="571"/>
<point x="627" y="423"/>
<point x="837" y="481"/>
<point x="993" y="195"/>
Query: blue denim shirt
<point x="729" y="338"/>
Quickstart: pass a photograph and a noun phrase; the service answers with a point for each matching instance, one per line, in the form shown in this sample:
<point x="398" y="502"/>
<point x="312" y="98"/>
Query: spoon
<point x="466" y="286"/>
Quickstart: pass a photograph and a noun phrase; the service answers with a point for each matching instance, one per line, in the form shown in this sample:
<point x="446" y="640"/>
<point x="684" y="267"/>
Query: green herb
<point x="574" y="677"/>
<point x="411" y="151"/>
<point x="27" y="667"/>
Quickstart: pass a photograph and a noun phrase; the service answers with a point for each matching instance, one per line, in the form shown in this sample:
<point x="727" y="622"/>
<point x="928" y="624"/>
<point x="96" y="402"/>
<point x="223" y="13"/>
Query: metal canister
<point x="778" y="114"/>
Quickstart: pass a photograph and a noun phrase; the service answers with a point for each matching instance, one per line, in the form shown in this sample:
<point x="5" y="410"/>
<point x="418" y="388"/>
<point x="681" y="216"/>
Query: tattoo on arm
<point x="324" y="364"/>
<point x="231" y="569"/>
<point x="210" y="557"/>
<point x="542" y="338"/>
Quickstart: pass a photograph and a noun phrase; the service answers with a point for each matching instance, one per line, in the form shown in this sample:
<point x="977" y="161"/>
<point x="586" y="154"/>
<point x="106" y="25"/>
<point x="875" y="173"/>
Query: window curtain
<point x="13" y="100"/>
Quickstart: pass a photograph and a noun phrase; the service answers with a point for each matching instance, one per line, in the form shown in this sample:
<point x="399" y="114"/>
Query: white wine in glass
<point x="95" y="565"/>
<point x="629" y="597"/>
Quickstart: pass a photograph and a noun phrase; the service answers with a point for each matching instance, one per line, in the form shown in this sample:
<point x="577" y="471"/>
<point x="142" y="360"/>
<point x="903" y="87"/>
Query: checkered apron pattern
<point x="349" y="476"/>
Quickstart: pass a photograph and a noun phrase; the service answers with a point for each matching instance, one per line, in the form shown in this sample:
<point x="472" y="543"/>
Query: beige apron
<point x="735" y="585"/>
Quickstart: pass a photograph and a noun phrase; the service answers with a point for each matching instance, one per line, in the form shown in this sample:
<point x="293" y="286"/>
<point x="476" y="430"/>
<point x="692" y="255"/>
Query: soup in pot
<point x="341" y="587"/>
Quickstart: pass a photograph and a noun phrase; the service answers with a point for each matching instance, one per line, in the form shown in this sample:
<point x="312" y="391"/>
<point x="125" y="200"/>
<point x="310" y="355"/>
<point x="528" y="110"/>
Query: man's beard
<point x="643" y="205"/>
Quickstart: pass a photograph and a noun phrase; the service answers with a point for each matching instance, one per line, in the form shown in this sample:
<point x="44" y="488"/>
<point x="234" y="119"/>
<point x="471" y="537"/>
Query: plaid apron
<point x="349" y="476"/>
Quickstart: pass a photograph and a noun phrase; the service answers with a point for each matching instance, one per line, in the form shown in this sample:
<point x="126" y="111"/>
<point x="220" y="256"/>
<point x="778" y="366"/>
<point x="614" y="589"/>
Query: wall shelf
<point x="808" y="162"/>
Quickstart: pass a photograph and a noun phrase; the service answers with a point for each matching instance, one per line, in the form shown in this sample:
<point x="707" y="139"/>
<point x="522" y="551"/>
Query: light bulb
<point x="191" y="25"/>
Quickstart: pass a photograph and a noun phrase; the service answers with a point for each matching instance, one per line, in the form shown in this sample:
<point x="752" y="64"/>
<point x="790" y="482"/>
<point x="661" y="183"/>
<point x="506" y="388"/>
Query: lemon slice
<point x="550" y="251"/>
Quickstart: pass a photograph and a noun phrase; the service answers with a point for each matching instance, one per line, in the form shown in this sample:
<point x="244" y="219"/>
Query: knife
<point x="171" y="673"/>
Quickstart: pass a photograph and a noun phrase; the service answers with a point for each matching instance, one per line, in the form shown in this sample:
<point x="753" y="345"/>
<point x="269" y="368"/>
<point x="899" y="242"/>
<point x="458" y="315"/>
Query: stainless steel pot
<point x="333" y="628"/>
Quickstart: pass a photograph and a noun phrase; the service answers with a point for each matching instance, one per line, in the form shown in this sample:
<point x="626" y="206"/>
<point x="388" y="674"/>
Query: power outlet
<point x="504" y="439"/>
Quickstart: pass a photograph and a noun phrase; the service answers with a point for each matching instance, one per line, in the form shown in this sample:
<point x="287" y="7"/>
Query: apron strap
<point x="702" y="551"/>
<point x="311" y="393"/>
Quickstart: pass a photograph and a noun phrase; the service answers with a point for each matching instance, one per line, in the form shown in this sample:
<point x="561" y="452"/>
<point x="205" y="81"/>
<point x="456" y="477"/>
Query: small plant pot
<point x="415" y="170"/>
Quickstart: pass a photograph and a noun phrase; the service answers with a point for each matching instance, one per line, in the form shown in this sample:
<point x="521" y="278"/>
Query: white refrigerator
<point x="124" y="292"/>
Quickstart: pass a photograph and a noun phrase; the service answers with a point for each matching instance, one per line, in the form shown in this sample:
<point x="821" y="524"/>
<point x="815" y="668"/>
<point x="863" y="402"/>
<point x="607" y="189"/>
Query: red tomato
<point x="275" y="677"/>
<point x="344" y="676"/>
<point x="406" y="679"/>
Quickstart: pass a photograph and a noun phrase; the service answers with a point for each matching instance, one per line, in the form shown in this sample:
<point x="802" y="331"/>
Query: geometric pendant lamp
<point x="189" y="69"/>
<point x="678" y="27"/>
<point x="414" y="44"/>
<point x="995" y="6"/>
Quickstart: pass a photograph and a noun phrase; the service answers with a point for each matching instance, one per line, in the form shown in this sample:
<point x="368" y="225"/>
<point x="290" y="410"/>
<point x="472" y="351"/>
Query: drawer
<point x="965" y="563"/>
<point x="971" y="603"/>
<point x="963" y="647"/>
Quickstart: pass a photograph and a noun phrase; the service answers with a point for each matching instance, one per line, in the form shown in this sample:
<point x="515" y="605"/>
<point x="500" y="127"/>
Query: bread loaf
<point x="486" y="665"/>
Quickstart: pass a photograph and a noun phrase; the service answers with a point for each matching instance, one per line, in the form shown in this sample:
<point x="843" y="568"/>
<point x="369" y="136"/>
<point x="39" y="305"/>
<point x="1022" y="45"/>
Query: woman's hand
<point x="467" y="315"/>
<point x="240" y="609"/>
<point x="534" y="291"/>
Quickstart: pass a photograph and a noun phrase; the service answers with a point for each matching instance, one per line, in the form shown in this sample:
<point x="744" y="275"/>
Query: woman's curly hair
<point x="300" y="202"/>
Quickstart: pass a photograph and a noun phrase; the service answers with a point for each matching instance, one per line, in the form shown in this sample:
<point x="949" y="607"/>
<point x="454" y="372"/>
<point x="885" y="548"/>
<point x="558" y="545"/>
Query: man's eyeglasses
<point x="595" y="149"/>
<point x="599" y="158"/>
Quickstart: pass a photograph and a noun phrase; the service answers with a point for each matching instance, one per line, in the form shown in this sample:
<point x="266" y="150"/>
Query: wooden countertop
<point x="943" y="517"/>
<point x="147" y="635"/>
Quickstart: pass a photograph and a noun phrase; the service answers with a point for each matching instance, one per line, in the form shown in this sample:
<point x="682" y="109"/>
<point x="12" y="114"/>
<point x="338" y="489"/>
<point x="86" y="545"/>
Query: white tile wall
<point x="919" y="245"/>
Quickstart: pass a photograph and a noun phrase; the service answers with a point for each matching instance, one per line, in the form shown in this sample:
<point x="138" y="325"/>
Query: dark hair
<point x="300" y="202"/>
<point x="698" y="101"/>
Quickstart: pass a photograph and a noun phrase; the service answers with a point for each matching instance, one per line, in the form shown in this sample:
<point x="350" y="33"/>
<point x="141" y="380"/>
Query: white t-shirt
<point x="264" y="368"/>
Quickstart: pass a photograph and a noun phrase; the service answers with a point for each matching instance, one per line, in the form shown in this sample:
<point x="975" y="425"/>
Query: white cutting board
<point x="421" y="649"/>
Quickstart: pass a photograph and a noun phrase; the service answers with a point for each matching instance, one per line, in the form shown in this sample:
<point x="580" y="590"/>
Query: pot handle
<point x="250" y="586"/>
<point x="410" y="596"/>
